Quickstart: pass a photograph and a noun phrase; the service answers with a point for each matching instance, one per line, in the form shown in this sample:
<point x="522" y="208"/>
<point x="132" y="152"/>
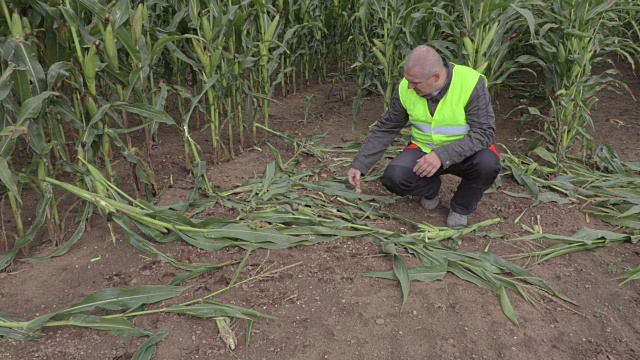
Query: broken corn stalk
<point x="226" y="333"/>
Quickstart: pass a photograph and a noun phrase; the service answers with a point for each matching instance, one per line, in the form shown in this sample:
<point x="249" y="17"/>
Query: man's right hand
<point x="354" y="176"/>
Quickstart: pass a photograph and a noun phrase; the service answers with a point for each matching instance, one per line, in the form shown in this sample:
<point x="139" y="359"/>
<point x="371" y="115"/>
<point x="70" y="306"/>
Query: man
<point x="452" y="129"/>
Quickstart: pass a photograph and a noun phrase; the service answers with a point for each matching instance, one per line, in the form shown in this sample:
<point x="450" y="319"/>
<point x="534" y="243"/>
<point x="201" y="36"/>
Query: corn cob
<point x="226" y="333"/>
<point x="136" y="26"/>
<point x="90" y="67"/>
<point x="110" y="45"/>
<point x="26" y="26"/>
<point x="16" y="26"/>
<point x="202" y="55"/>
<point x="206" y="29"/>
<point x="562" y="54"/>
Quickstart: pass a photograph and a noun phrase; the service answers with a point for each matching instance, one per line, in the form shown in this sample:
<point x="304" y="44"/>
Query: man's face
<point x="421" y="83"/>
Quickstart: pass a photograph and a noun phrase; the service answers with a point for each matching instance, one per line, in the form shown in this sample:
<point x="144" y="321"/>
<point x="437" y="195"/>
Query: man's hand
<point x="427" y="165"/>
<point x="354" y="176"/>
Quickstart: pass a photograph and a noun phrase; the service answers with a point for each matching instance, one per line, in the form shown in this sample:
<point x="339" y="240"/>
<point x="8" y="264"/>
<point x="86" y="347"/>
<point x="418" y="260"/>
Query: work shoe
<point x="430" y="204"/>
<point x="455" y="220"/>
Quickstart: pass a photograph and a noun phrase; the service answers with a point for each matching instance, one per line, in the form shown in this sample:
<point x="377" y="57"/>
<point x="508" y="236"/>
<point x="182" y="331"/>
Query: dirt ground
<point x="325" y="308"/>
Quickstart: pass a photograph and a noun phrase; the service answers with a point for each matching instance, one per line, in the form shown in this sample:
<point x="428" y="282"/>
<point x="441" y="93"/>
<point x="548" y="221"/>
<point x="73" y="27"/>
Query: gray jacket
<point x="480" y="118"/>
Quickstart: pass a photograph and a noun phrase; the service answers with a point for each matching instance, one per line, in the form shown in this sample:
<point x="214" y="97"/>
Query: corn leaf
<point x="206" y="311"/>
<point x="6" y="257"/>
<point x="32" y="106"/>
<point x="77" y="234"/>
<point x="16" y="334"/>
<point x="122" y="299"/>
<point x="146" y="111"/>
<point x="5" y="81"/>
<point x="7" y="177"/>
<point x="505" y="304"/>
<point x="178" y="279"/>
<point x="118" y="326"/>
<point x="25" y="58"/>
<point x="337" y="189"/>
<point x="418" y="273"/>
<point x="631" y="275"/>
<point x="148" y="348"/>
<point x="400" y="271"/>
<point x="247" y="312"/>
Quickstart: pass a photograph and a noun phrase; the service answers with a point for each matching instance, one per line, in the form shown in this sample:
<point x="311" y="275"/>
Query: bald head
<point x="425" y="71"/>
<point x="423" y="60"/>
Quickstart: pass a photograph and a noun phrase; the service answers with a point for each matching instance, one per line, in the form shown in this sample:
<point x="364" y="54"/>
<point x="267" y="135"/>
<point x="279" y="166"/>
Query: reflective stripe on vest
<point x="444" y="130"/>
<point x="449" y="122"/>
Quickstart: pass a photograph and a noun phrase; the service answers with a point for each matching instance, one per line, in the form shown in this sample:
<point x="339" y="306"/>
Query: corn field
<point x="82" y="78"/>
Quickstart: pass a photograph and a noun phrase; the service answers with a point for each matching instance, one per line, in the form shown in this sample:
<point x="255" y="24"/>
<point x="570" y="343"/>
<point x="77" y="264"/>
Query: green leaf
<point x="6" y="257"/>
<point x="31" y="107"/>
<point x="206" y="311"/>
<point x="26" y="60"/>
<point x="465" y="274"/>
<point x="77" y="234"/>
<point x="16" y="334"/>
<point x="272" y="29"/>
<point x="519" y="272"/>
<point x="491" y="234"/>
<point x="5" y="81"/>
<point x="159" y="45"/>
<point x="546" y="155"/>
<point x="337" y="189"/>
<point x="6" y="177"/>
<point x="268" y="177"/>
<point x="632" y="211"/>
<point x="118" y="326"/>
<point x="146" y="111"/>
<point x="242" y="310"/>
<point x="70" y="16"/>
<point x="148" y="348"/>
<point x="400" y="271"/>
<point x="257" y="236"/>
<point x="528" y="15"/>
<point x="631" y="275"/>
<point x="548" y="197"/>
<point x="632" y="222"/>
<point x="59" y="71"/>
<point x="505" y="304"/>
<point x="192" y="274"/>
<point x="122" y="299"/>
<point x="418" y="273"/>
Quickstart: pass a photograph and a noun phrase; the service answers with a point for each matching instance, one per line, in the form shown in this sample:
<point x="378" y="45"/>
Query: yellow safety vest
<point x="449" y="123"/>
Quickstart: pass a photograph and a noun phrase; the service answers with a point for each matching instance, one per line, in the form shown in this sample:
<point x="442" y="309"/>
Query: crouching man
<point x="452" y="129"/>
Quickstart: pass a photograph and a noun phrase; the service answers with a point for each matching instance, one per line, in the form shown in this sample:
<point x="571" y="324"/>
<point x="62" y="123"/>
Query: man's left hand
<point x="427" y="165"/>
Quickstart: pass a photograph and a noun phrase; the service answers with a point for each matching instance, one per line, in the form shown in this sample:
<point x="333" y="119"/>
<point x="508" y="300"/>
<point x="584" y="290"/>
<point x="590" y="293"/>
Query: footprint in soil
<point x="118" y="279"/>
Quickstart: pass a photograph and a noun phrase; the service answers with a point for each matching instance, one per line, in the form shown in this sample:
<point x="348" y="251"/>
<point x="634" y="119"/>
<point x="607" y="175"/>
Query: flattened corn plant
<point x="82" y="79"/>
<point x="606" y="187"/>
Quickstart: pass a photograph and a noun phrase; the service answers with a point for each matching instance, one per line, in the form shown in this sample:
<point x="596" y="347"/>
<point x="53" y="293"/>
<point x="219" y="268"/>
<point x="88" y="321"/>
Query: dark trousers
<point x="478" y="172"/>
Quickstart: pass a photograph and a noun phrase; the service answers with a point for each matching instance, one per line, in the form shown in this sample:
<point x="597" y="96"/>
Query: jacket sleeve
<point x="481" y="121"/>
<point x="381" y="136"/>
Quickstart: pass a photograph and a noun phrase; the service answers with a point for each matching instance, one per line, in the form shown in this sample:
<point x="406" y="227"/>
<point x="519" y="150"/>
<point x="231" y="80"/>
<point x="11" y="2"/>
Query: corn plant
<point x="569" y="42"/>
<point x="485" y="35"/>
<point x="388" y="31"/>
<point x="26" y="116"/>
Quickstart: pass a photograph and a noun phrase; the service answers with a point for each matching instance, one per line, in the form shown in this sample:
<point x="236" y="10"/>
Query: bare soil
<point x="325" y="308"/>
